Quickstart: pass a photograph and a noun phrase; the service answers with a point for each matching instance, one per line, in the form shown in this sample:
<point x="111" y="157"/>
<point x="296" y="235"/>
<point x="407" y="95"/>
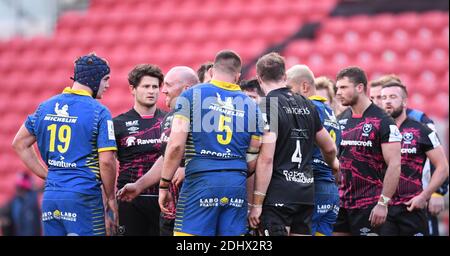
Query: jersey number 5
<point x="297" y="156"/>
<point x="224" y="128"/>
<point x="64" y="135"/>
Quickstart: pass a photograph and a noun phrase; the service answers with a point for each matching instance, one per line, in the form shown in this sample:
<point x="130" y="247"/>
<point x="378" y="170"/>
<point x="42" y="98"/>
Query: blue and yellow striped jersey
<point x="71" y="129"/>
<point x="322" y="172"/>
<point x="222" y="122"/>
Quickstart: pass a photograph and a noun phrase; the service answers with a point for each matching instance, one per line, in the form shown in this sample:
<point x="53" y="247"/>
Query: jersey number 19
<point x="64" y="135"/>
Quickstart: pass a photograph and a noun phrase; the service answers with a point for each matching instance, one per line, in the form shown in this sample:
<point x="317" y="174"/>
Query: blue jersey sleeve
<point x="183" y="105"/>
<point x="106" y="139"/>
<point x="30" y="122"/>
<point x="255" y="119"/>
<point x="260" y="121"/>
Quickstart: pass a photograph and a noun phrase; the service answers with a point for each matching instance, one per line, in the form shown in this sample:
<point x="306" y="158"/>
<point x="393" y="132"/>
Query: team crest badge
<point x="367" y="128"/>
<point x="408" y="137"/>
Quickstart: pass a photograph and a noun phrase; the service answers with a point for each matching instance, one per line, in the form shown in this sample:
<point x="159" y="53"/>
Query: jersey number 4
<point x="64" y="135"/>
<point x="297" y="156"/>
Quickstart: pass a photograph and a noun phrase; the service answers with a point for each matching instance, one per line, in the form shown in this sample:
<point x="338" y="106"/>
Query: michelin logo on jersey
<point x="225" y="106"/>
<point x="61" y="115"/>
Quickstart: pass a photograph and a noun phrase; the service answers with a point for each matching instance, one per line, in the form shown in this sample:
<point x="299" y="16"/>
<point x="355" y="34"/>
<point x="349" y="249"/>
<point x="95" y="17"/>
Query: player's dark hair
<point x="250" y="85"/>
<point x="141" y="70"/>
<point x="355" y="74"/>
<point x="395" y="84"/>
<point x="227" y="61"/>
<point x="271" y="67"/>
<point x="202" y="71"/>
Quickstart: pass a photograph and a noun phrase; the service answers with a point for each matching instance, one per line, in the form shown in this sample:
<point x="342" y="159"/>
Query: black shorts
<point x="401" y="222"/>
<point x="139" y="217"/>
<point x="355" y="221"/>
<point x="275" y="219"/>
<point x="166" y="226"/>
<point x="433" y="224"/>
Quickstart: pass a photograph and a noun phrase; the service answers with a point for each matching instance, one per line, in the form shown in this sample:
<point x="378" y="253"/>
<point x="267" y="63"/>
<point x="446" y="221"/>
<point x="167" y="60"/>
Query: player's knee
<point x="275" y="230"/>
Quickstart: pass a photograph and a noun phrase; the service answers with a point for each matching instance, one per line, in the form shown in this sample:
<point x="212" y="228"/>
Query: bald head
<point x="301" y="79"/>
<point x="177" y="80"/>
<point x="185" y="75"/>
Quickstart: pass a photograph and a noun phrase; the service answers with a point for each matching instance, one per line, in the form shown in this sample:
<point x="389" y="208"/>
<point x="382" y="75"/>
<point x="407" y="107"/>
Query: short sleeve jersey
<point x="428" y="169"/>
<point x="361" y="157"/>
<point x="295" y="121"/>
<point x="139" y="145"/>
<point x="417" y="140"/>
<point x="71" y="129"/>
<point x="222" y="121"/>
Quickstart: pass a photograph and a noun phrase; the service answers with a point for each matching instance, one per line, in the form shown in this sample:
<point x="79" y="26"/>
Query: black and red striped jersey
<point x="138" y="141"/>
<point x="417" y="140"/>
<point x="361" y="157"/>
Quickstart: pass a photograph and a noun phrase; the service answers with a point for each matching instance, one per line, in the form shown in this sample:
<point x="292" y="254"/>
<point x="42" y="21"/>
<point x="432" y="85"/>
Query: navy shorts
<point x="72" y="214"/>
<point x="326" y="208"/>
<point x="212" y="204"/>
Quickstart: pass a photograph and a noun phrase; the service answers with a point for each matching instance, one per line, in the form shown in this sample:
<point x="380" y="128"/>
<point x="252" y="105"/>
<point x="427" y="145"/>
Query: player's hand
<point x="378" y="215"/>
<point x="417" y="202"/>
<point x="111" y="217"/>
<point x="336" y="171"/>
<point x="436" y="205"/>
<point x="128" y="192"/>
<point x="178" y="177"/>
<point x="254" y="216"/>
<point x="165" y="201"/>
<point x="335" y="168"/>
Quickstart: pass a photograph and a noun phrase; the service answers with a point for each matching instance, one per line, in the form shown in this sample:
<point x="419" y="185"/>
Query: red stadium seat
<point x="439" y="106"/>
<point x="361" y="24"/>
<point x="336" y="26"/>
<point x="408" y="21"/>
<point x="427" y="83"/>
<point x="417" y="101"/>
<point x="386" y="23"/>
<point x="434" y="20"/>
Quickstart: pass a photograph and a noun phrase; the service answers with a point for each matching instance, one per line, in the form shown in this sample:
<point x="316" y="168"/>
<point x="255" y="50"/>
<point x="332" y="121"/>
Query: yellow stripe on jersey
<point x="107" y="149"/>
<point x="77" y="92"/>
<point x="319" y="234"/>
<point x="317" y="97"/>
<point x="226" y="85"/>
<point x="182" y="117"/>
<point x="176" y="233"/>
<point x="256" y="137"/>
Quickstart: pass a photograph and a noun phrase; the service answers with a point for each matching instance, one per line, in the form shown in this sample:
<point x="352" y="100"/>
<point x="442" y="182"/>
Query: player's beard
<point x="397" y="112"/>
<point x="352" y="101"/>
